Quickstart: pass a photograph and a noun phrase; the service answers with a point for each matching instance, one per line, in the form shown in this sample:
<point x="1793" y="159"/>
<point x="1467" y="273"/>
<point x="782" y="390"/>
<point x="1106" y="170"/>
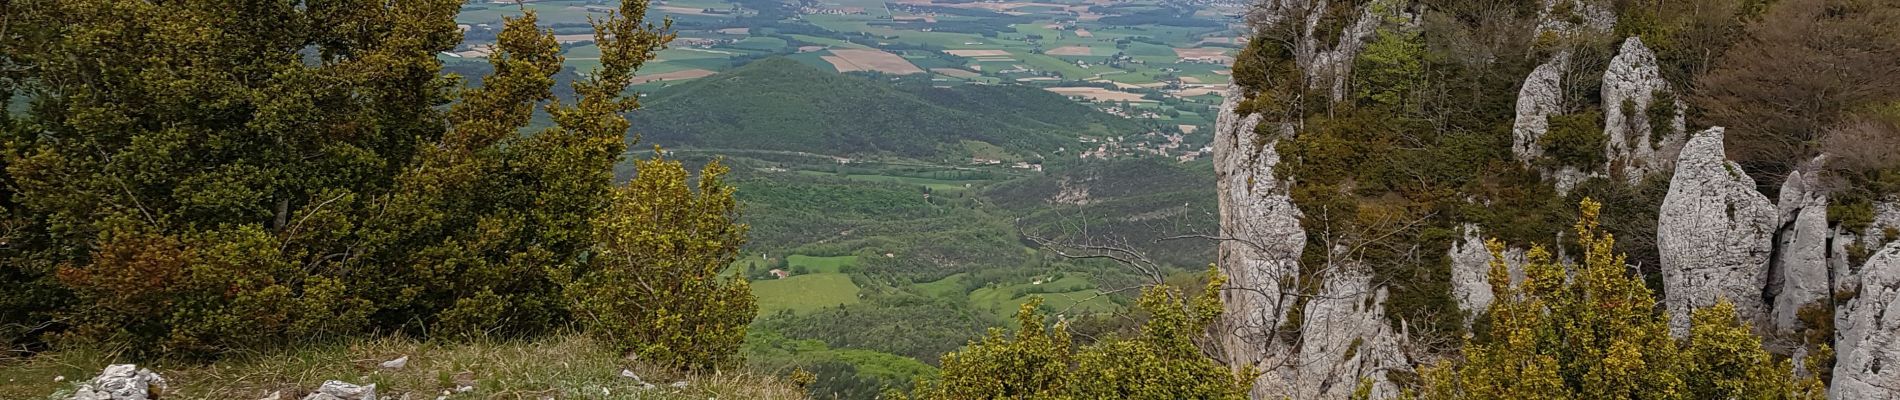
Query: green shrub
<point x="653" y="284"/>
<point x="1041" y="362"/>
<point x="1662" y="116"/>
<point x="1576" y="140"/>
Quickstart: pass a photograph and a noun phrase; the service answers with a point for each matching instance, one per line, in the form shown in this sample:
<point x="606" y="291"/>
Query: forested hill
<point x="781" y="104"/>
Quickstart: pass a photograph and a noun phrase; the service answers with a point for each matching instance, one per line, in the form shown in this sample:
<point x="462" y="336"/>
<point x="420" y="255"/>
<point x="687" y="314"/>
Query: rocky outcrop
<point x="1344" y="337"/>
<point x="1714" y="233"/>
<point x="122" y="382"/>
<point x="1637" y="144"/>
<point x="1540" y="97"/>
<point x="1261" y="239"/>
<point x="1471" y="269"/>
<point x="1799" y="273"/>
<point x="1332" y="67"/>
<point x="1867" y="363"/>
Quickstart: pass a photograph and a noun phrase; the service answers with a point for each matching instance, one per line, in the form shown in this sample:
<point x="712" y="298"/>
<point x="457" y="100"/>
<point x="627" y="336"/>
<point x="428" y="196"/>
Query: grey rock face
<point x="1471" y="269"/>
<point x="1540" y="97"/>
<point x="339" y="390"/>
<point x="1799" y="275"/>
<point x="1343" y="338"/>
<point x="1344" y="335"/>
<point x="1714" y="233"/>
<point x="1263" y="239"/>
<point x="1332" y="67"/>
<point x="1631" y="84"/>
<point x="123" y="382"/>
<point x="1868" y="363"/>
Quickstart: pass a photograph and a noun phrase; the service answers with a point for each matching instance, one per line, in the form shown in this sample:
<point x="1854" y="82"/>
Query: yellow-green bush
<point x="1040" y="362"/>
<point x="653" y="284"/>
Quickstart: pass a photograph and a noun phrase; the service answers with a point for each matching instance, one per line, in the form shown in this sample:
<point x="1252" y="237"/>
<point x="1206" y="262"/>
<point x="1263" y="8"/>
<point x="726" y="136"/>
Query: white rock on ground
<point x="397" y="363"/>
<point x="1714" y="233"/>
<point x="122" y="382"/>
<point x="1867" y="364"/>
<point x="339" y="390"/>
<point x="1633" y="79"/>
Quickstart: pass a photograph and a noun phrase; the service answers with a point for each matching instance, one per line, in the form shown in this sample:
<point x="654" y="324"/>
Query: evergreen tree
<point x="198" y="176"/>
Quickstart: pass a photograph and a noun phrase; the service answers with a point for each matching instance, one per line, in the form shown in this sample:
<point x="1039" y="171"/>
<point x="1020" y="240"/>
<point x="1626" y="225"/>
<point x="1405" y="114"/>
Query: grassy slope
<point x="564" y="366"/>
<point x="804" y="293"/>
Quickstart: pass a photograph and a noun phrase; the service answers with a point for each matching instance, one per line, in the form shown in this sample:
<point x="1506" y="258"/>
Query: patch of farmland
<point x="956" y="73"/>
<point x="978" y="53"/>
<point x="1070" y="51"/>
<point x="805" y="293"/>
<point x="1098" y="94"/>
<point x="673" y="76"/>
<point x="847" y="60"/>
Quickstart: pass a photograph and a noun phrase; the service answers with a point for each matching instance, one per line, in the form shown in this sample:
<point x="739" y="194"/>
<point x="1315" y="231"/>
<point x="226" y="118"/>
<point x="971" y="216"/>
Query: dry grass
<point x="559" y="367"/>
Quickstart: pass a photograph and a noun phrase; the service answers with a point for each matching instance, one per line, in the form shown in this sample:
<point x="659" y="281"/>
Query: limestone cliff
<point x="1798" y="275"/>
<point x="1868" y="343"/>
<point x="1261" y="238"/>
<point x="1630" y="88"/>
<point x="1714" y="234"/>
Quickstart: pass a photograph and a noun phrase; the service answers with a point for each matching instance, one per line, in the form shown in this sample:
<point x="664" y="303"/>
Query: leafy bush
<point x="1597" y="335"/>
<point x="653" y="284"/>
<point x="1576" y="140"/>
<point x="1041" y="362"/>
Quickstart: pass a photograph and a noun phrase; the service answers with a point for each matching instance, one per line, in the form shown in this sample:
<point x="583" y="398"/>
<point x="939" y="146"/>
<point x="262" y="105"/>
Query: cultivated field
<point x="847" y="60"/>
<point x="1098" y="94"/>
<point x="1070" y="51"/>
<point x="977" y="53"/>
<point x="673" y="76"/>
<point x="804" y="293"/>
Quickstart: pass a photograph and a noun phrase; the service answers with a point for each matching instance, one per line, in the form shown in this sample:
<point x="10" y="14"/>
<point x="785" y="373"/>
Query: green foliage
<point x="653" y="285"/>
<point x="1661" y="114"/>
<point x="1597" y="335"/>
<point x="1576" y="140"/>
<point x="1041" y="362"/>
<point x="1391" y="68"/>
<point x="202" y="178"/>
